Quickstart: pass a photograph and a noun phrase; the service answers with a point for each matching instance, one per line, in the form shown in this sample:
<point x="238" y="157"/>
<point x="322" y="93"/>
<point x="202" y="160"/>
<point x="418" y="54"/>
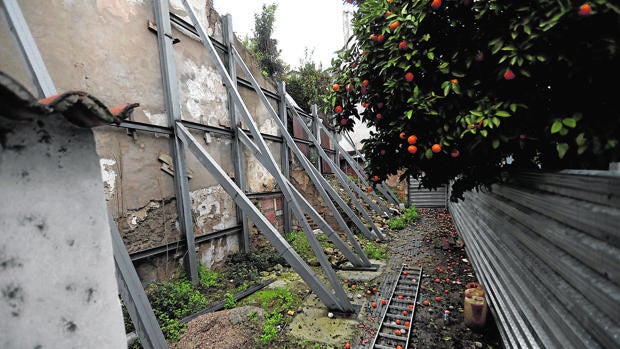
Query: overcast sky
<point x="315" y="24"/>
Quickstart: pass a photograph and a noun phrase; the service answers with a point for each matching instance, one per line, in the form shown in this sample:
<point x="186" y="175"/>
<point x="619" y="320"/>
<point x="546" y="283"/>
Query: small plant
<point x="410" y="215"/>
<point x="229" y="301"/>
<point x="396" y="223"/>
<point x="252" y="315"/>
<point x="172" y="301"/>
<point x="270" y="328"/>
<point x="208" y="278"/>
<point x="374" y="250"/>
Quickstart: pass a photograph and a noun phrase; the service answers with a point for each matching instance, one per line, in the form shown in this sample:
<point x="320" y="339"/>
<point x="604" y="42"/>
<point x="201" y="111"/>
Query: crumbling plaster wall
<point x="105" y="48"/>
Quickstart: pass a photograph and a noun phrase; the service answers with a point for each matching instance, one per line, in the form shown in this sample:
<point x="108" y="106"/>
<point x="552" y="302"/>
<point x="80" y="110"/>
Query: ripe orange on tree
<point x="394" y="25"/>
<point x="509" y="74"/>
<point x="585" y="9"/>
<point x="412" y="149"/>
<point x="409" y="77"/>
<point x="436" y="4"/>
<point x="338" y="109"/>
<point x="436" y="148"/>
<point x="412" y="139"/>
<point x="336" y="87"/>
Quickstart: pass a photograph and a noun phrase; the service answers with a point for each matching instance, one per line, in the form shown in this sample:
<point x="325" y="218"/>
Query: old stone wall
<point x="109" y="49"/>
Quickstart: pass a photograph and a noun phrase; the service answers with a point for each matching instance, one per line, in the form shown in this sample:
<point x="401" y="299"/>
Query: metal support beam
<point x="173" y="110"/>
<point x="13" y="17"/>
<point x="362" y="177"/>
<point x="317" y="178"/>
<point x="305" y="205"/>
<point x="229" y="41"/>
<point x="354" y="165"/>
<point x="316" y="133"/>
<point x="132" y="294"/>
<point x="284" y="156"/>
<point x="275" y="238"/>
<point x="342" y="302"/>
<point x="339" y="174"/>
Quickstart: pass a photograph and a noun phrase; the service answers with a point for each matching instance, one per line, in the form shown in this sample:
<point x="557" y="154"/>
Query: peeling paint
<point x="217" y="250"/>
<point x="135" y="217"/>
<point x="269" y="126"/>
<point x="109" y="176"/>
<point x="203" y="86"/>
<point x="156" y="119"/>
<point x="258" y="177"/>
<point x="214" y="209"/>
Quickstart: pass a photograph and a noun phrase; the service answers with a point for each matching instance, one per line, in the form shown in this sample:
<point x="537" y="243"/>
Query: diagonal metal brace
<point x="339" y="174"/>
<point x="354" y="166"/>
<point x="361" y="261"/>
<point x="275" y="238"/>
<point x="133" y="295"/>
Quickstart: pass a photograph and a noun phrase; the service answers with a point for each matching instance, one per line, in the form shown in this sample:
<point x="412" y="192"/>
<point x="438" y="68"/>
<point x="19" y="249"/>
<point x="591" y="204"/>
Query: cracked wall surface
<point x="106" y="49"/>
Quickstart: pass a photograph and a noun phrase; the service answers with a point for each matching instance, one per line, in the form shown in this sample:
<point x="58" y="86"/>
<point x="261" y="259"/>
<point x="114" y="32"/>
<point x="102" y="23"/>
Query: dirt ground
<point x="431" y="243"/>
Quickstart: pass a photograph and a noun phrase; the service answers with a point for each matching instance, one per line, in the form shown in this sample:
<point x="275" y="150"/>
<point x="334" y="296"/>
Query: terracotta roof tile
<point x="78" y="107"/>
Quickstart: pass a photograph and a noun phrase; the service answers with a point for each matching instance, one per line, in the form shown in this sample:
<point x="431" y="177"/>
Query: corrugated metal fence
<point x="422" y="197"/>
<point x="546" y="248"/>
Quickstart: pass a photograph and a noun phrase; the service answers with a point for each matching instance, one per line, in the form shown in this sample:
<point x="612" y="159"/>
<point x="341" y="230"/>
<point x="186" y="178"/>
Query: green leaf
<point x="428" y="153"/>
<point x="495" y="143"/>
<point x="484" y="133"/>
<point x="502" y="113"/>
<point x="562" y="148"/>
<point x="446" y="90"/>
<point x="513" y="107"/>
<point x="430" y="55"/>
<point x="495" y="121"/>
<point x="556" y="127"/>
<point x="408" y="114"/>
<point x="569" y="122"/>
<point x="580" y="139"/>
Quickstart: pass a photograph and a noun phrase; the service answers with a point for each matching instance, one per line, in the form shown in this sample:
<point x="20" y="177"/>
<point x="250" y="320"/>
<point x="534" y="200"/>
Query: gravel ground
<point x="431" y="243"/>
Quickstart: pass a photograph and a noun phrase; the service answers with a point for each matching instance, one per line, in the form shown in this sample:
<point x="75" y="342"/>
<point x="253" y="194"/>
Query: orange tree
<point x="465" y="90"/>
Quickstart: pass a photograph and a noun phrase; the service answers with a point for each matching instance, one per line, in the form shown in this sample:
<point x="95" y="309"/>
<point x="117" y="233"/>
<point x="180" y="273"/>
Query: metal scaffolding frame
<point x="338" y="300"/>
<point x="382" y="187"/>
<point x="130" y="287"/>
<point x="173" y="111"/>
<point x="322" y="185"/>
<point x="355" y="166"/>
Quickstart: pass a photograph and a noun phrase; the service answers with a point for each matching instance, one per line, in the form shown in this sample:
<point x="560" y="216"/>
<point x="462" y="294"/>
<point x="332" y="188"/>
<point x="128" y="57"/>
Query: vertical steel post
<point x="284" y="155"/>
<point x="27" y="48"/>
<point x="339" y="295"/>
<point x="235" y="125"/>
<point x="173" y="110"/>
